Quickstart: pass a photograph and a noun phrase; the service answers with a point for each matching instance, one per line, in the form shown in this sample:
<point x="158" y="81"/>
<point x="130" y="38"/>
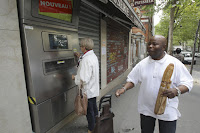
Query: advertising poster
<point x="59" y="9"/>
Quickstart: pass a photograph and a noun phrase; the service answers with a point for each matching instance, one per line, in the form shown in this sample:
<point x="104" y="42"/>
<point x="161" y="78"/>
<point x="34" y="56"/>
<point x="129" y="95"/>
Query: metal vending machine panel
<point x="49" y="64"/>
<point x="49" y="34"/>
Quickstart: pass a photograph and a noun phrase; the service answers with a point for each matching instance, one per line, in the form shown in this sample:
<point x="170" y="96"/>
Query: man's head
<point x="156" y="47"/>
<point x="86" y="44"/>
<point x="178" y="50"/>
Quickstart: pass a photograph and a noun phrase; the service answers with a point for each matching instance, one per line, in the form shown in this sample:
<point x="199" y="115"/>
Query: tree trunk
<point x="167" y="38"/>
<point x="199" y="42"/>
<point x="171" y="28"/>
<point x="194" y="49"/>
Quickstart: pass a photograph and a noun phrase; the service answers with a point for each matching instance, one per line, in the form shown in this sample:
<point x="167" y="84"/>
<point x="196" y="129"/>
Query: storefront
<point x="117" y="50"/>
<point x="89" y="25"/>
<point x="49" y="34"/>
<point x="116" y="20"/>
<point x="139" y="47"/>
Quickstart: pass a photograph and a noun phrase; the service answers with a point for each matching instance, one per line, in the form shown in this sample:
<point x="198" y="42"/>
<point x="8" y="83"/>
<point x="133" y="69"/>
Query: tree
<point x="171" y="26"/>
<point x="179" y="21"/>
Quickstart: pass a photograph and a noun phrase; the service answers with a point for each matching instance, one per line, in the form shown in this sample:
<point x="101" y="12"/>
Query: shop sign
<point x="120" y="4"/>
<point x="137" y="11"/>
<point x="60" y="9"/>
<point x="143" y="2"/>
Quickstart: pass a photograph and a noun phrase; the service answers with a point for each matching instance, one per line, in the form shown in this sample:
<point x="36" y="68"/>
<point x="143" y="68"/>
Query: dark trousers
<point x="92" y="112"/>
<point x="147" y="124"/>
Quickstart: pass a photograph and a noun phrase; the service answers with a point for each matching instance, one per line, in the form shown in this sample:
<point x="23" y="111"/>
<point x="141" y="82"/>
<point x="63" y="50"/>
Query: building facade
<point x="141" y="38"/>
<point x="37" y="56"/>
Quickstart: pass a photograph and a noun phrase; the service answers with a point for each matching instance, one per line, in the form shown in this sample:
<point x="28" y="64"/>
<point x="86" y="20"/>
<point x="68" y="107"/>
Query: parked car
<point x="197" y="55"/>
<point x="188" y="58"/>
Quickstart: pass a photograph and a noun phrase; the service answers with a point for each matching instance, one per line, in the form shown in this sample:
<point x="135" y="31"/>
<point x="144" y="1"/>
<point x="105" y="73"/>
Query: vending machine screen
<point x="58" y="41"/>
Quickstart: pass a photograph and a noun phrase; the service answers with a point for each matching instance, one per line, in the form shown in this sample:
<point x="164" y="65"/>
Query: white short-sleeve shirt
<point x="149" y="73"/>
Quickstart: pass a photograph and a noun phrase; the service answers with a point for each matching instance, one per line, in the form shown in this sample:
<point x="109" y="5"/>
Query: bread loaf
<point x="165" y="84"/>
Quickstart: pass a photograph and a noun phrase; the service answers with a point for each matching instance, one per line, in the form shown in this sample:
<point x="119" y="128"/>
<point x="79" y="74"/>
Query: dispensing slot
<point x="52" y="66"/>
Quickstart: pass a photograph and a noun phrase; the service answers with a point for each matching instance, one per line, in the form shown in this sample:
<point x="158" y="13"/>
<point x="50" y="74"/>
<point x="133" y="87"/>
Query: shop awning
<point x="119" y="10"/>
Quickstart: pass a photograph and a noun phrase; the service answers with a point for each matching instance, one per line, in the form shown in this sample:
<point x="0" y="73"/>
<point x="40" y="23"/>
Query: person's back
<point x="178" y="55"/>
<point x="88" y="77"/>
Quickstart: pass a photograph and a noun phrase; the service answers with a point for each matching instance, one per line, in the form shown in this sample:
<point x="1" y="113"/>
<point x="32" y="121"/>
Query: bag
<point x="104" y="120"/>
<point x="81" y="103"/>
<point x="165" y="84"/>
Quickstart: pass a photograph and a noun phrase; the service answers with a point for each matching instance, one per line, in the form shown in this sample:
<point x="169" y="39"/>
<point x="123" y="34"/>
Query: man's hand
<point x="127" y="86"/>
<point x="171" y="93"/>
<point x="119" y="92"/>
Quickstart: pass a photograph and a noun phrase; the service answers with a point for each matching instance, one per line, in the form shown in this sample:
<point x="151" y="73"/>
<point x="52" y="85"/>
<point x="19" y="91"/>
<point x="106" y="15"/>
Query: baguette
<point x="165" y="84"/>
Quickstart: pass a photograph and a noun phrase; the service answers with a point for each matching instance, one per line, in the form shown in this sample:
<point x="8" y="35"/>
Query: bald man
<point x="149" y="73"/>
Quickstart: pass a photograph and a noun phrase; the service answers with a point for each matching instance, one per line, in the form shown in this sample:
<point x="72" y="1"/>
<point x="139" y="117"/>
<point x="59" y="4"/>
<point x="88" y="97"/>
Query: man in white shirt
<point x="149" y="73"/>
<point x="88" y="77"/>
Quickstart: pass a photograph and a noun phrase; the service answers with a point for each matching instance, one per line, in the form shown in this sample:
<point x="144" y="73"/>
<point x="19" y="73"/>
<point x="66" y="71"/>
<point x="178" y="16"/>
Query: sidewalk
<point x="189" y="108"/>
<point x="126" y="116"/>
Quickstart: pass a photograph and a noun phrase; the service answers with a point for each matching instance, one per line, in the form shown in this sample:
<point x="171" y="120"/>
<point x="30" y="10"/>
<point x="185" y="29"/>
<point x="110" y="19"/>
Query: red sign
<point x="143" y="2"/>
<point x="56" y="6"/>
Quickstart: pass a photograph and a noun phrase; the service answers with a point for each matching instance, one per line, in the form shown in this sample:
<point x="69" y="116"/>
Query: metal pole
<point x="193" y="53"/>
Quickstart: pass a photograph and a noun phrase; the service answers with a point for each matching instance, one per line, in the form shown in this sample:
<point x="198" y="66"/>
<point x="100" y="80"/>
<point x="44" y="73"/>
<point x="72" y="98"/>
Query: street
<point x="127" y="118"/>
<point x="189" y="105"/>
<point x="197" y="66"/>
<point x="189" y="122"/>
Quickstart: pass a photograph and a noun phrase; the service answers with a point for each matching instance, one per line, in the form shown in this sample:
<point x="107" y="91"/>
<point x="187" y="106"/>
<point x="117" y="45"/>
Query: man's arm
<point x="127" y="86"/>
<point x="174" y="92"/>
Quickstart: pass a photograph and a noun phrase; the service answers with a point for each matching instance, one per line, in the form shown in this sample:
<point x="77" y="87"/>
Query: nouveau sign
<point x="143" y="2"/>
<point x="60" y="9"/>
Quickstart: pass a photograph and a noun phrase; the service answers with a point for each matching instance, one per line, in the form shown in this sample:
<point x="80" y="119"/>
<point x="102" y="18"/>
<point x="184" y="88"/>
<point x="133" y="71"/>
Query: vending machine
<point x="49" y="35"/>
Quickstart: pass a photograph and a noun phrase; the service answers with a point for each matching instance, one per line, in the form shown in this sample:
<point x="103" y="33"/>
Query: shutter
<point x="89" y="26"/>
<point x="117" y="50"/>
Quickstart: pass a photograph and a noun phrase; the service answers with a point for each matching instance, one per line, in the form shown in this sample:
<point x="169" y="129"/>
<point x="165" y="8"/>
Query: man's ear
<point x="164" y="47"/>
